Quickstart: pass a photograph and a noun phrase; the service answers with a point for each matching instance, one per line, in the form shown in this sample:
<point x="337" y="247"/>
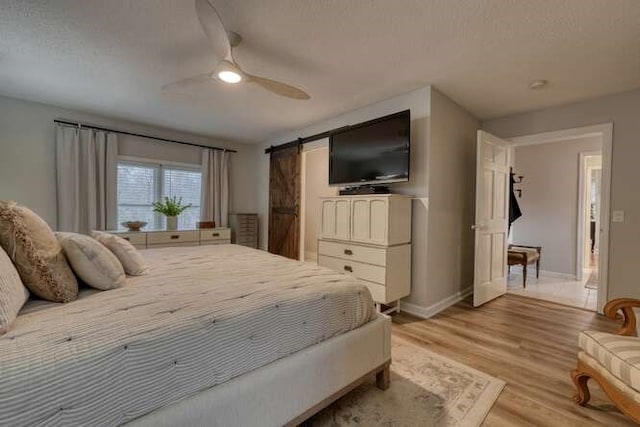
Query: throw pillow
<point x="132" y="261"/>
<point x="13" y="294"/>
<point x="36" y="254"/>
<point x="92" y="262"/>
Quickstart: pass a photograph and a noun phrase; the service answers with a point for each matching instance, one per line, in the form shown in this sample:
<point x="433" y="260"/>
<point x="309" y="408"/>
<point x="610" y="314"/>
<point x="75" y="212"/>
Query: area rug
<point x="426" y="390"/>
<point x="592" y="283"/>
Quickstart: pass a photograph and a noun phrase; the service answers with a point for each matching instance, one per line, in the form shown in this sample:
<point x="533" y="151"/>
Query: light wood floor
<point x="530" y="344"/>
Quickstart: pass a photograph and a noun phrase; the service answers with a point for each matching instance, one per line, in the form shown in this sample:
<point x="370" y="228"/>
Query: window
<point x="142" y="183"/>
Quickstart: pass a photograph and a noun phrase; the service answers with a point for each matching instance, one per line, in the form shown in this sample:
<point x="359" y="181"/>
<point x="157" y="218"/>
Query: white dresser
<point x="165" y="238"/>
<point x="370" y="238"/>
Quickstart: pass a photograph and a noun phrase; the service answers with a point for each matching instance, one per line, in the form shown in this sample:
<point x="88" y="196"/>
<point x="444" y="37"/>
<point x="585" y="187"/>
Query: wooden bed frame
<point x="289" y="390"/>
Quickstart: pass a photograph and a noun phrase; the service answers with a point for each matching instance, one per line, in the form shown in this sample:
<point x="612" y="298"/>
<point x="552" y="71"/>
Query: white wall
<point x="315" y="185"/>
<point x="418" y="101"/>
<point x="621" y="109"/>
<point x="452" y="166"/>
<point x="443" y="267"/>
<point x="27" y="154"/>
<point x="549" y="200"/>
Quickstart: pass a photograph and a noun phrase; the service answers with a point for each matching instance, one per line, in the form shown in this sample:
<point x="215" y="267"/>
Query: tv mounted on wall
<point x="372" y="153"/>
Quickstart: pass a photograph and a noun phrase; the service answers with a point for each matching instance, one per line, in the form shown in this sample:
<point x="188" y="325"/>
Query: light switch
<point x="617" y="216"/>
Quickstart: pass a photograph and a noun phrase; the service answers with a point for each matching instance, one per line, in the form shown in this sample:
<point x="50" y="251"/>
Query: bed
<point x="222" y="335"/>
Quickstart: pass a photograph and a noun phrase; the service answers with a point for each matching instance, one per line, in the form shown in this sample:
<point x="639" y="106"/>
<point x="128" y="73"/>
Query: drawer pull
<point x="348" y="252"/>
<point x="348" y="268"/>
<point x="175" y="236"/>
<point x="215" y="234"/>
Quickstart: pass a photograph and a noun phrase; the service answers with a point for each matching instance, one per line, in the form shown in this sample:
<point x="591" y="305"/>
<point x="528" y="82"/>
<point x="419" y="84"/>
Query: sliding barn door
<point x="284" y="202"/>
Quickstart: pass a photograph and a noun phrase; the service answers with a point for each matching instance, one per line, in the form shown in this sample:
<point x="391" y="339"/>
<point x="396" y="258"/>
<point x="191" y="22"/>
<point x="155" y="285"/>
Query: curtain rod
<point x="140" y="135"/>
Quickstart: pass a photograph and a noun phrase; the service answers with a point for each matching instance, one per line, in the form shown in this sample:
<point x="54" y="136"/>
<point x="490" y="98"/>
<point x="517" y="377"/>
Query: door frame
<point x="605" y="131"/>
<point x="306" y="148"/>
<point x="583" y="202"/>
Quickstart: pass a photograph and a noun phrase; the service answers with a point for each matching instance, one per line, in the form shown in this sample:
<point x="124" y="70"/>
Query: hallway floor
<point x="554" y="289"/>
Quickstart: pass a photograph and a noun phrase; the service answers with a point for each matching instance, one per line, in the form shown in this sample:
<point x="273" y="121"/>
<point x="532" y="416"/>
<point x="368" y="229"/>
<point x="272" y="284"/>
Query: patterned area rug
<point x="426" y="390"/>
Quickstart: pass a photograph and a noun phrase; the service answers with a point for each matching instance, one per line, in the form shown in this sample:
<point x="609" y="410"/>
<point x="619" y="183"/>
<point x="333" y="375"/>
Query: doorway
<point x="588" y="244"/>
<point x="563" y="193"/>
<point x="314" y="174"/>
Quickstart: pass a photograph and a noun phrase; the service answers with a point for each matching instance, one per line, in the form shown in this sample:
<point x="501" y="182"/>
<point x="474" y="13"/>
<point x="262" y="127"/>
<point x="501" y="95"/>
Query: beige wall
<point x="549" y="200"/>
<point x="622" y="110"/>
<point x="316" y="185"/>
<point x="450" y="241"/>
<point x="27" y="154"/>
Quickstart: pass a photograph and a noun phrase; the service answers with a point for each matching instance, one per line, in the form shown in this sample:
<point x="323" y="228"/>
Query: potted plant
<point x="171" y="207"/>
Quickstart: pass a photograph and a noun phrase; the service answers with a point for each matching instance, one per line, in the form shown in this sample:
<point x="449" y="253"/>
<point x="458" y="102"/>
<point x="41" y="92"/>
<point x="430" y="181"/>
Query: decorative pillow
<point x="92" y="262"/>
<point x="13" y="294"/>
<point x="36" y="254"/>
<point x="128" y="255"/>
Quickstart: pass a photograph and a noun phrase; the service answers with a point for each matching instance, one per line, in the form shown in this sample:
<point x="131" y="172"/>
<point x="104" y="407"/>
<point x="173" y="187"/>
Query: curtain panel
<point x="87" y="174"/>
<point x="215" y="187"/>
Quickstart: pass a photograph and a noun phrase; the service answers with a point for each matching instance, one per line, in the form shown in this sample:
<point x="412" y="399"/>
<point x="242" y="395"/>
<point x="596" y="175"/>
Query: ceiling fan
<point x="228" y="70"/>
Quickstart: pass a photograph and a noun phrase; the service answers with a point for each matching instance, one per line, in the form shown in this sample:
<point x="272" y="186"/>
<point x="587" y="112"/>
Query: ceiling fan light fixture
<point x="229" y="76"/>
<point x="228" y="72"/>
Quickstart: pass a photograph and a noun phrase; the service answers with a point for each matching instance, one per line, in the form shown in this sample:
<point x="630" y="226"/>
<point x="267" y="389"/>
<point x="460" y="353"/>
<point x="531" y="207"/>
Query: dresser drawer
<point x="172" y="237"/>
<point x="215" y="242"/>
<point x="246" y="240"/>
<point x="248" y="227"/>
<point x="372" y="273"/>
<point x="135" y="238"/>
<point x="245" y="236"/>
<point x="215" y="234"/>
<point x="365" y="254"/>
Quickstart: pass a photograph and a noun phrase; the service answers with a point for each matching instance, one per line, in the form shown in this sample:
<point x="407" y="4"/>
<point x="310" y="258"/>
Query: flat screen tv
<point x="371" y="153"/>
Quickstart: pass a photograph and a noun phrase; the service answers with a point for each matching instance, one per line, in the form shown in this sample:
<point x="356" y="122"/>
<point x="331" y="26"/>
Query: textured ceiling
<point x="112" y="57"/>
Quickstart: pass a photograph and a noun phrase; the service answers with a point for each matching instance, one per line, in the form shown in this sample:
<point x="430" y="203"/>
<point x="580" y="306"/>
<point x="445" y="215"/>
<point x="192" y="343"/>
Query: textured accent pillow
<point x="36" y="254"/>
<point x="128" y="255"/>
<point x="13" y="294"/>
<point x="92" y="262"/>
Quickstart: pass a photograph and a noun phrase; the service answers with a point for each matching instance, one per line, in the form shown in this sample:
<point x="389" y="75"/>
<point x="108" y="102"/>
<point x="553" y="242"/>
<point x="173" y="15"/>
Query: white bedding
<point x="202" y="316"/>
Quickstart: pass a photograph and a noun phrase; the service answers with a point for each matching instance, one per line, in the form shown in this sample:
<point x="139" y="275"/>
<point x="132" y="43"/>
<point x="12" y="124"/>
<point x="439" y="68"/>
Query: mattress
<point x="202" y="316"/>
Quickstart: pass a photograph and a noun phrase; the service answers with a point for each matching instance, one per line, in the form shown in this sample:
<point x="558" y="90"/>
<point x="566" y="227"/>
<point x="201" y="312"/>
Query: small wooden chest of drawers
<point x="244" y="229"/>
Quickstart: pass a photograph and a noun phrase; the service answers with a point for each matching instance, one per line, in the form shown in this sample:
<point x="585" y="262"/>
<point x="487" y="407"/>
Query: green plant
<point x="171" y="206"/>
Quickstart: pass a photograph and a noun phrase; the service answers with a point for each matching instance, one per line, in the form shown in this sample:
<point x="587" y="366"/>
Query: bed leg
<point x="383" y="377"/>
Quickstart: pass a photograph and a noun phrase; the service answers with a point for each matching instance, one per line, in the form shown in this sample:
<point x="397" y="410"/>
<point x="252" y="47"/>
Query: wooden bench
<point x="524" y="255"/>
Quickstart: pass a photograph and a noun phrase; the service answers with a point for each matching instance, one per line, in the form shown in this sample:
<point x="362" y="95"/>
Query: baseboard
<point x="531" y="272"/>
<point x="426" y="312"/>
<point x="558" y="275"/>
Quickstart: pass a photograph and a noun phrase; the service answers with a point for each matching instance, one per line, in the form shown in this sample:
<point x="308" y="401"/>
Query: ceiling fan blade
<point x="278" y="88"/>
<point x="191" y="81"/>
<point x="214" y="29"/>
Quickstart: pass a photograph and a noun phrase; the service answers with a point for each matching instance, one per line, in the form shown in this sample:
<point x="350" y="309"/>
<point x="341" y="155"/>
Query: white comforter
<point x="202" y="316"/>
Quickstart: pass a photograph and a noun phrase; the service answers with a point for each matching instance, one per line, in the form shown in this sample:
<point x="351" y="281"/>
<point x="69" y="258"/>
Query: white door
<point x="492" y="218"/>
